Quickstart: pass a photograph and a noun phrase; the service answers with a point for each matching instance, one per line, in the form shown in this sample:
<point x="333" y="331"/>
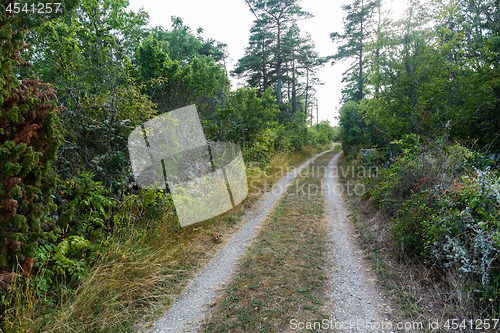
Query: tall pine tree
<point x="358" y="27"/>
<point x="278" y="15"/>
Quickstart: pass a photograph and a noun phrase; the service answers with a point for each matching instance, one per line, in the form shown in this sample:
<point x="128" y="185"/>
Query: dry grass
<point x="23" y="301"/>
<point x="281" y="277"/>
<point x="144" y="267"/>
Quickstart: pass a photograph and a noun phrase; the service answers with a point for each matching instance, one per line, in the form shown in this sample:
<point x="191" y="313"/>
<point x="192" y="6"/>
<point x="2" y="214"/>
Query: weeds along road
<point x="190" y="307"/>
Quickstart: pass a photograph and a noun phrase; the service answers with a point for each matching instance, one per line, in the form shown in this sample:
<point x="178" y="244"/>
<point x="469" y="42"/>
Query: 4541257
<point x="474" y="324"/>
<point x="34" y="8"/>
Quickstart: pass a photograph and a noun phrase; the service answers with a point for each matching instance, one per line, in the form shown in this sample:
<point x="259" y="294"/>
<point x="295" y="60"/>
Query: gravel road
<point x="188" y="308"/>
<point x="357" y="304"/>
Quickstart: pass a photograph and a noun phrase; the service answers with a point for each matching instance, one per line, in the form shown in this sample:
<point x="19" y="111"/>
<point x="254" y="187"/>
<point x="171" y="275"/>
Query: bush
<point x="351" y="128"/>
<point x="446" y="206"/>
<point x="29" y="138"/>
<point x="261" y="148"/>
<point x="283" y="142"/>
<point x="87" y="212"/>
<point x="317" y="139"/>
<point x="463" y="231"/>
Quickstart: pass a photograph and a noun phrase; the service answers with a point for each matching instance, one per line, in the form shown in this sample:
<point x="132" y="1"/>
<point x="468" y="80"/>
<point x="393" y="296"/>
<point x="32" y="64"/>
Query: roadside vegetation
<point x="143" y="264"/>
<point x="436" y="209"/>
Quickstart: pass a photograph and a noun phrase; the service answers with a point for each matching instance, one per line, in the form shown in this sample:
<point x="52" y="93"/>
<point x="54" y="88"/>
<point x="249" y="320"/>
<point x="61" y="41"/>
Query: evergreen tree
<point x="29" y="138"/>
<point x="358" y="27"/>
<point x="255" y="66"/>
<point x="278" y="15"/>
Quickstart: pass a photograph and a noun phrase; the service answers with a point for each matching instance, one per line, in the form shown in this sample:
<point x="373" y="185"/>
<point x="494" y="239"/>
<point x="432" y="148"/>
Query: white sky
<point x="229" y="21"/>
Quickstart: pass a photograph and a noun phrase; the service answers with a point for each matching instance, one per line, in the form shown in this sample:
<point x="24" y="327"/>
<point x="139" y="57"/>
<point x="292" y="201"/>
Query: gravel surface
<point x="357" y="304"/>
<point x="188" y="308"/>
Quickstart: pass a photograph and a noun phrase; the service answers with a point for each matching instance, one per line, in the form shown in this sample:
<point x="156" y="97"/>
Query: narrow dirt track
<point x="188" y="308"/>
<point x="357" y="304"/>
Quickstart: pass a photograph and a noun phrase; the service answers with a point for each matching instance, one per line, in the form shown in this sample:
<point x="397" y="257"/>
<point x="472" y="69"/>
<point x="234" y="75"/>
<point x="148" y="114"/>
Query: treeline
<point x="65" y="175"/>
<point x="435" y="72"/>
<point x="430" y="84"/>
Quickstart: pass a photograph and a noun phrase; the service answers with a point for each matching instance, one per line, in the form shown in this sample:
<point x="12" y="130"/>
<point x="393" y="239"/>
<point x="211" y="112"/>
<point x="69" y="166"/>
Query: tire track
<point x="358" y="305"/>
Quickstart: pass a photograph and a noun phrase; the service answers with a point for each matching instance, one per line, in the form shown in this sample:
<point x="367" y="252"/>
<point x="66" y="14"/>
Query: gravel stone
<point x="349" y="276"/>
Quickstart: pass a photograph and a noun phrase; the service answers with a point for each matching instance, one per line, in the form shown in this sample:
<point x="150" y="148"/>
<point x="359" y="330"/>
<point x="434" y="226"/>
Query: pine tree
<point x="278" y="15"/>
<point x="357" y="30"/>
<point x="256" y="64"/>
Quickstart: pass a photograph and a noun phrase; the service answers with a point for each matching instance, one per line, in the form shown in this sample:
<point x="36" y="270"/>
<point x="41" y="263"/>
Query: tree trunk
<point x="264" y="74"/>
<point x="360" y="79"/>
<point x="294" y="91"/>
<point x="307" y="91"/>
<point x="278" y="67"/>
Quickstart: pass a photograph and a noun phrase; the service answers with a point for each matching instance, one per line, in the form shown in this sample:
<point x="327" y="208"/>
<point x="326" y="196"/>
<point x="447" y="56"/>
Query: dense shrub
<point x="87" y="211"/>
<point x="445" y="203"/>
<point x="463" y="230"/>
<point x="28" y="142"/>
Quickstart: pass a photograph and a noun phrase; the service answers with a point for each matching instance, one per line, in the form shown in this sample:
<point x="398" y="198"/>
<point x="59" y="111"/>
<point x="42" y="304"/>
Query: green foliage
<point x="322" y="134"/>
<point x="357" y="32"/>
<point x="29" y="139"/>
<point x="61" y="263"/>
<point x="256" y="65"/>
<point x="428" y="79"/>
<point x="262" y="147"/>
<point x="176" y="68"/>
<point x="276" y="52"/>
<point x="85" y="54"/>
<point x="351" y="127"/>
<point x="182" y="45"/>
<point x="250" y="121"/>
<point x="87" y="213"/>
<point x="408" y="229"/>
<point x="445" y="203"/>
<point x="112" y="74"/>
<point x="25" y="18"/>
<point x="155" y="203"/>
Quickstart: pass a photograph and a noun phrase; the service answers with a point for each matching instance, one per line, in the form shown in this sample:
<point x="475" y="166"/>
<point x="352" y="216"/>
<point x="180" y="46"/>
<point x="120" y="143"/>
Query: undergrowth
<point x="443" y="204"/>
